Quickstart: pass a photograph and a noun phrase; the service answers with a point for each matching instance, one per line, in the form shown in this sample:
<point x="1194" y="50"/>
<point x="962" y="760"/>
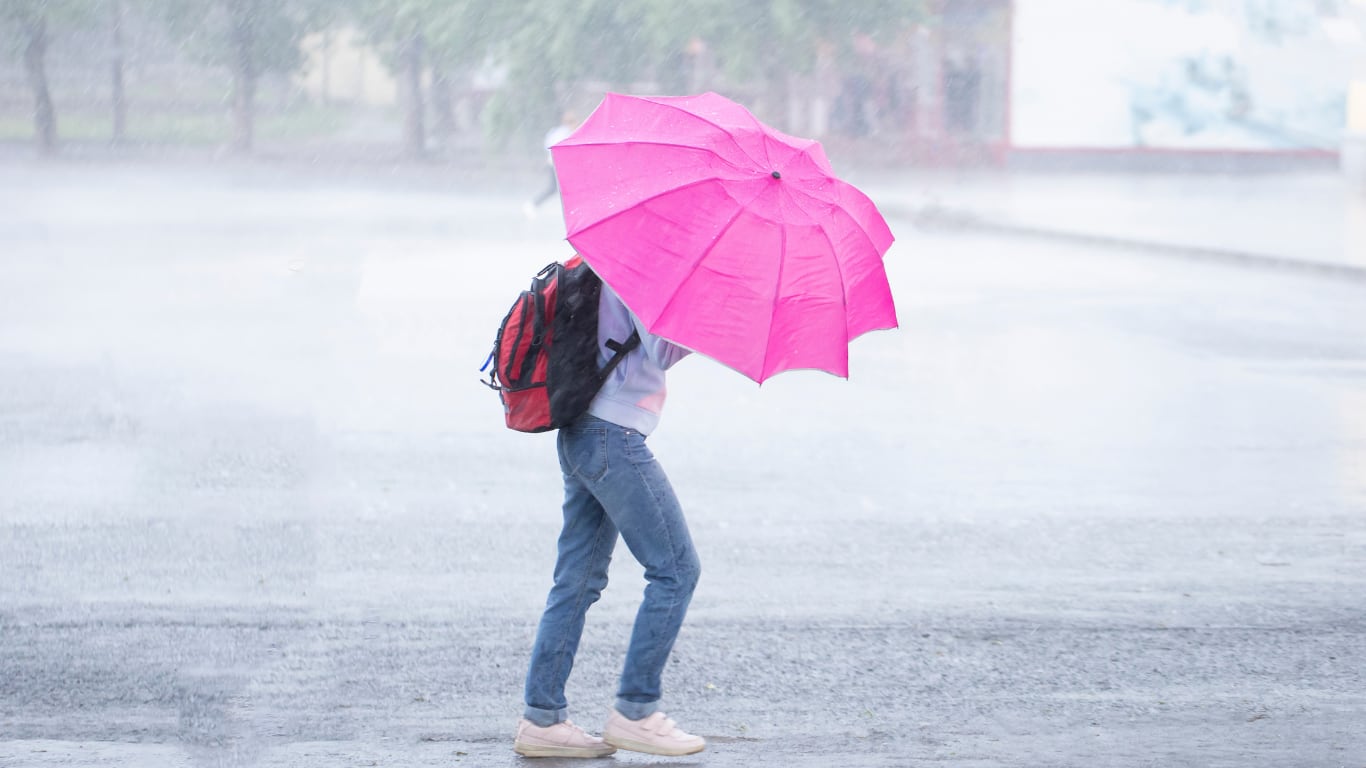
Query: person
<point x="614" y="486"/>
<point x="568" y="122"/>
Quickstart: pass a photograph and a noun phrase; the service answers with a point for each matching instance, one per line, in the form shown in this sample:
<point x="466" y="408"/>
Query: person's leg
<point x="585" y="551"/>
<point x="638" y="497"/>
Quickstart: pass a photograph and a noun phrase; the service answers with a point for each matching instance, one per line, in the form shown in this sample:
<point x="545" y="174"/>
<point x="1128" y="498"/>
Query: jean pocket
<point x="637" y="452"/>
<point x="586" y="453"/>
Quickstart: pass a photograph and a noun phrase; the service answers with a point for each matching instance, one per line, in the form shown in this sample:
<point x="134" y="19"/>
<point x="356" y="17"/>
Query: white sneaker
<point x="654" y="735"/>
<point x="529" y="211"/>
<point x="559" y="740"/>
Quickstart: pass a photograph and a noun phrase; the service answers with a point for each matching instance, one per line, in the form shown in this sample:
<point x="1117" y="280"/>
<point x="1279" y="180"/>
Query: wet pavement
<point x="1088" y="507"/>
<point x="1304" y="219"/>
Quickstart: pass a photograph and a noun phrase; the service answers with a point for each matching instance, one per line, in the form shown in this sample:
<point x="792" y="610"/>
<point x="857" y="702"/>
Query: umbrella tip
<point x="777" y="175"/>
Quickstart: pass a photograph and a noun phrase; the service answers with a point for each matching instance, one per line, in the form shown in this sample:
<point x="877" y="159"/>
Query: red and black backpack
<point x="545" y="357"/>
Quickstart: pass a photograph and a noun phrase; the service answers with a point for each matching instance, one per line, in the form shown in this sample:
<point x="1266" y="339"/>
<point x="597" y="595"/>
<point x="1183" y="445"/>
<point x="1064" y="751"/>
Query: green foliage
<point x="197" y="129"/>
<point x="211" y="29"/>
<point x="462" y="33"/>
<point x="17" y="16"/>
<point x="761" y="38"/>
<point x="455" y="31"/>
<point x="55" y="11"/>
<point x="550" y="46"/>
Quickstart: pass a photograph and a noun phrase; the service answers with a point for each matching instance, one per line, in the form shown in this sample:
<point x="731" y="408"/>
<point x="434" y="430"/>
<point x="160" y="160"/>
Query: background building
<point x="1027" y="81"/>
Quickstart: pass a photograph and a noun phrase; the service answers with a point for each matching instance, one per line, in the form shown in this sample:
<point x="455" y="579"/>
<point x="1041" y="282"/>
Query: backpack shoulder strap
<point x="620" y="349"/>
<point x="623" y="347"/>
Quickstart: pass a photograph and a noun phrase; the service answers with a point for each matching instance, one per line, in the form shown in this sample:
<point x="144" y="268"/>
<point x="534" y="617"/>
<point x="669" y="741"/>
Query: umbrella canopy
<point x="724" y="235"/>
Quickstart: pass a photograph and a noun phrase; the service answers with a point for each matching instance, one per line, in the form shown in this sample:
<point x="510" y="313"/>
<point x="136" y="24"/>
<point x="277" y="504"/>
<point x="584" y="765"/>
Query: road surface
<point x="1085" y="508"/>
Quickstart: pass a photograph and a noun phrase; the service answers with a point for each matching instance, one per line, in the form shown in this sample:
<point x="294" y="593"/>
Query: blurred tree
<point x="444" y="37"/>
<point x="461" y="36"/>
<point x="32" y="20"/>
<point x="250" y="38"/>
<point x="396" y="27"/>
<point x="117" y="97"/>
<point x="766" y="42"/>
<point x="553" y="47"/>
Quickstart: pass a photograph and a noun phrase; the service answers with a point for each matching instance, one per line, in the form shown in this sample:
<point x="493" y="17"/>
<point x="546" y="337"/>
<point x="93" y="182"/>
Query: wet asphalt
<point x="1085" y="508"/>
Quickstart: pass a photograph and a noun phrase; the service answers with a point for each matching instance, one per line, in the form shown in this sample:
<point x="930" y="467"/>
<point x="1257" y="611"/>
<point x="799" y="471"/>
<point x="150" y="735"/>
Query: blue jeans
<point x="612" y="484"/>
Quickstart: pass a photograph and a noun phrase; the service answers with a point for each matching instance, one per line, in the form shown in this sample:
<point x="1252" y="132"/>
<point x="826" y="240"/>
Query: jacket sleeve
<point x="662" y="352"/>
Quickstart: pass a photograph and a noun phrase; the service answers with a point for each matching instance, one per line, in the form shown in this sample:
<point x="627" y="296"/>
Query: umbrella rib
<point x="806" y="150"/>
<point x="871" y="244"/>
<point x="724" y="131"/>
<point x="637" y="203"/>
<point x="844" y="297"/>
<point x="651" y="143"/>
<point x="777" y="294"/>
<point x="692" y="270"/>
<point x="844" y="285"/>
<point x="768" y="161"/>
<point x="859" y="228"/>
<point x="837" y="205"/>
<point x="839" y="265"/>
<point x="678" y="287"/>
<point x="701" y="257"/>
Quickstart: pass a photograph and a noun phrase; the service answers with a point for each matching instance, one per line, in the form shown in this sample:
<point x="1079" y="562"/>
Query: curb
<point x="943" y="219"/>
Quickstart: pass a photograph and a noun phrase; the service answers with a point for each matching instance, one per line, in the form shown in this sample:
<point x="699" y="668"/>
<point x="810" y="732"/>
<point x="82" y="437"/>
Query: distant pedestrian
<point x="568" y="122"/>
<point x="613" y="485"/>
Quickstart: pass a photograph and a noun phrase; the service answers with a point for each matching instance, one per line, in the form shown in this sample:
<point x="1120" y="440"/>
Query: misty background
<point x="949" y="83"/>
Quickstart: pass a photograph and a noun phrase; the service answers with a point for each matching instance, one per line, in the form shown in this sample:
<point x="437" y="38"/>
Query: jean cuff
<point x="545" y="718"/>
<point x="636" y="710"/>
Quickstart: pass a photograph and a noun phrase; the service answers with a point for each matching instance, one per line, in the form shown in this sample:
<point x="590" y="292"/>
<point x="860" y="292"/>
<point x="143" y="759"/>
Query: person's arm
<point x="662" y="352"/>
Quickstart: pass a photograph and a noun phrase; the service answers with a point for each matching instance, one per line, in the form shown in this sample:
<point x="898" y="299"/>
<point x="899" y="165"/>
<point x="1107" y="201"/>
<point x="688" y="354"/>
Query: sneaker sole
<point x="632" y="745"/>
<point x="545" y="750"/>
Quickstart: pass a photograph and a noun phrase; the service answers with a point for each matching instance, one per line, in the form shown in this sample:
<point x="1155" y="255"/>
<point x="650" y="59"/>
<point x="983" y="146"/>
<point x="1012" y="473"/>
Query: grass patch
<point x="189" y="129"/>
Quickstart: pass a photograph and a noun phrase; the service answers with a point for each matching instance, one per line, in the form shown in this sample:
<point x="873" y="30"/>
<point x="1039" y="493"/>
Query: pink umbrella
<point x="724" y="235"/>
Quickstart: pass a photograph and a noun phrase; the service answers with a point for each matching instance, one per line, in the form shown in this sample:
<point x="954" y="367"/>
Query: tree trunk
<point x="443" y="109"/>
<point x="117" y="97"/>
<point x="243" y="78"/>
<point x="35" y="63"/>
<point x="326" y="73"/>
<point x="414" y="134"/>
